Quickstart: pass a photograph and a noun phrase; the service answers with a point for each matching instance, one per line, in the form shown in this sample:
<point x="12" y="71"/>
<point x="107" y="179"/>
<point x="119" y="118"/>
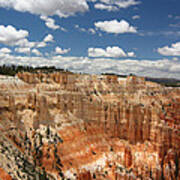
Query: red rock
<point x="110" y="129"/>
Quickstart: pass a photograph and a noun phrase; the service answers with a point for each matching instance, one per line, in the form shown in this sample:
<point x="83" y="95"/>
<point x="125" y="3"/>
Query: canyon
<point x="70" y="126"/>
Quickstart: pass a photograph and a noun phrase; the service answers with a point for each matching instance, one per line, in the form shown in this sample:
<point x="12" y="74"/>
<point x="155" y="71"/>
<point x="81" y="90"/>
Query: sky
<point x="93" y="36"/>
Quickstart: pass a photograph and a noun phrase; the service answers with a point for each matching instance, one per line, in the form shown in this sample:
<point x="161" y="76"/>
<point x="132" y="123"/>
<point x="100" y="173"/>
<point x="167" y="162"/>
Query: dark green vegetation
<point x="168" y="82"/>
<point x="113" y="74"/>
<point x="13" y="70"/>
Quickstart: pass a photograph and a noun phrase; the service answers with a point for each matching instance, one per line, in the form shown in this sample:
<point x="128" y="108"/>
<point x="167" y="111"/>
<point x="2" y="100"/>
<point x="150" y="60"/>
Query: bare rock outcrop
<point x="72" y="126"/>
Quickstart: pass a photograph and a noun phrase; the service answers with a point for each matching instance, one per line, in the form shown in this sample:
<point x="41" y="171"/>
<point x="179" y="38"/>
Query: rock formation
<point x="72" y="126"/>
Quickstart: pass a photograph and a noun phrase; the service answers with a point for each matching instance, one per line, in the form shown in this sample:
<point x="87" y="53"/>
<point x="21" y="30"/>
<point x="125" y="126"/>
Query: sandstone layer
<point x="72" y="126"/>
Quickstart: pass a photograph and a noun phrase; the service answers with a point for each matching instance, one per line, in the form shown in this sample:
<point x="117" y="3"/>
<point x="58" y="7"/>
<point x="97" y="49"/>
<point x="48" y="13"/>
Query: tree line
<point x="13" y="69"/>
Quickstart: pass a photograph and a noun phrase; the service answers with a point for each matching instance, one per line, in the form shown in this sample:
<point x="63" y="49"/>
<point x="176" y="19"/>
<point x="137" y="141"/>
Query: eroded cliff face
<point x="72" y="126"/>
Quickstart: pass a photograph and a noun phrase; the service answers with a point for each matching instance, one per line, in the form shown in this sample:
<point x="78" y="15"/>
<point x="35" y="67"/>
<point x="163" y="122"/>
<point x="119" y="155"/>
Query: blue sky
<point x="93" y="36"/>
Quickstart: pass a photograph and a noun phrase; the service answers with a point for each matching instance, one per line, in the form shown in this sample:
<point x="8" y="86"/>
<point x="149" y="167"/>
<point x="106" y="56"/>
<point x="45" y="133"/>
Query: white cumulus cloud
<point x="116" y="27"/>
<point x="131" y="54"/>
<point x="59" y="50"/>
<point x="5" y="50"/>
<point x="105" y="7"/>
<point x="62" y="8"/>
<point x="114" y="52"/>
<point x="125" y="3"/>
<point x="36" y="52"/>
<point x="112" y="5"/>
<point x="82" y="29"/>
<point x="173" y="50"/>
<point x="49" y="38"/>
<point x="50" y="23"/>
<point x="11" y="36"/>
<point x="136" y="17"/>
<point x="24" y="50"/>
<point x="25" y="43"/>
<point x="92" y="31"/>
<point x="41" y="44"/>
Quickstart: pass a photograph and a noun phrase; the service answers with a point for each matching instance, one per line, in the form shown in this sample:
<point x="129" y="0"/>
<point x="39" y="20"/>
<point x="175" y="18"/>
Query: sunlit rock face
<point x="72" y="126"/>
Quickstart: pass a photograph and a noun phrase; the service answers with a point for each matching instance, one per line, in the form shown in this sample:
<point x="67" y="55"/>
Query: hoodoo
<point x="70" y="126"/>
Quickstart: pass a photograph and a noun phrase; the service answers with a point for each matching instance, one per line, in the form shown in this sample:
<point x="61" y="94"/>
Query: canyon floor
<point x="73" y="126"/>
